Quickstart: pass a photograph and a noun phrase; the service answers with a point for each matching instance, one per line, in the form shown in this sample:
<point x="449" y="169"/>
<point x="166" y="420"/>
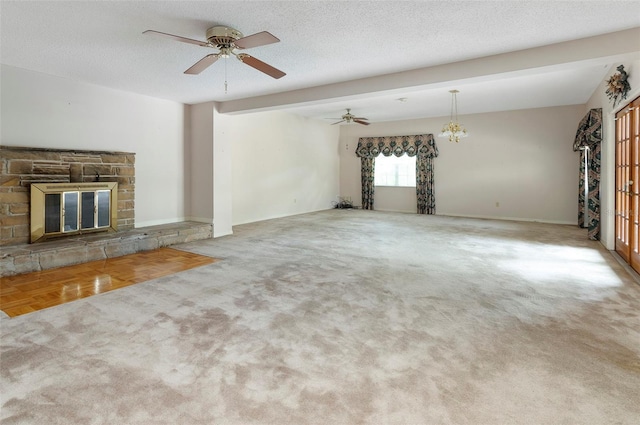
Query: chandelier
<point x="453" y="130"/>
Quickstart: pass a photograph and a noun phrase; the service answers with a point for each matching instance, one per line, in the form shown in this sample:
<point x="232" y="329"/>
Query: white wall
<point x="282" y="164"/>
<point x="397" y="199"/>
<point x="599" y="99"/>
<point x="44" y="111"/>
<point x="201" y="162"/>
<point x="514" y="165"/>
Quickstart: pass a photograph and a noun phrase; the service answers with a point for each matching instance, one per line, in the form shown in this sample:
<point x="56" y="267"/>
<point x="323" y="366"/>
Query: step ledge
<point x="26" y="258"/>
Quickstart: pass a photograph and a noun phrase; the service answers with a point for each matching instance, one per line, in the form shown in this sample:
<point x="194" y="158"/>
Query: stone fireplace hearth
<point x="25" y="258"/>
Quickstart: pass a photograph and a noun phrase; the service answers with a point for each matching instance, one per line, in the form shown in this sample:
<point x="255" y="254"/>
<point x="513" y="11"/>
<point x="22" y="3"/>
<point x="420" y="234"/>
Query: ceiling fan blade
<point x="178" y="38"/>
<point x="360" y="121"/>
<point x="260" y="66"/>
<point x="361" y="118"/>
<point x="202" y="64"/>
<point x="338" y="122"/>
<point x="255" y="40"/>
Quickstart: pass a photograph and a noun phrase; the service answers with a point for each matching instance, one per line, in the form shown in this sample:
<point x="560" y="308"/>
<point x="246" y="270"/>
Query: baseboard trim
<point x="626" y="266"/>
<point x="529" y="220"/>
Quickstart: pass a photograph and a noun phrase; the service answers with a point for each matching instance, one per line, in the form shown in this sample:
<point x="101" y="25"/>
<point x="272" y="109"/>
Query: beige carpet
<point x="345" y="317"/>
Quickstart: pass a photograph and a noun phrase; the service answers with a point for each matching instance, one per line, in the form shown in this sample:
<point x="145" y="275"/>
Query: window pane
<point x="394" y="171"/>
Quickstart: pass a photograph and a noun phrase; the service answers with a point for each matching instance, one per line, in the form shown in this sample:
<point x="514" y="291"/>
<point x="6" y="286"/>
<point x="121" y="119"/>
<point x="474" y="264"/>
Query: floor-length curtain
<point x="588" y="142"/>
<point x="581" y="179"/>
<point x="593" y="202"/>
<point x="422" y="146"/>
<point x="368" y="166"/>
<point x="424" y="185"/>
<point x="424" y="177"/>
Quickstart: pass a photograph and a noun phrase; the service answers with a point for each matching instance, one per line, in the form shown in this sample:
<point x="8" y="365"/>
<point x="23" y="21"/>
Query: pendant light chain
<point x="454" y="99"/>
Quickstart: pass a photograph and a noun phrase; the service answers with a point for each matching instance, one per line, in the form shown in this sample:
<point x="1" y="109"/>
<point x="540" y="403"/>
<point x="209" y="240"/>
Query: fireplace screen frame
<point x="41" y="193"/>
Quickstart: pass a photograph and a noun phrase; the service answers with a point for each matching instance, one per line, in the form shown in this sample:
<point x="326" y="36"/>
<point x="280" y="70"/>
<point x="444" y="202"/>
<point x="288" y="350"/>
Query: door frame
<point x="627" y="183"/>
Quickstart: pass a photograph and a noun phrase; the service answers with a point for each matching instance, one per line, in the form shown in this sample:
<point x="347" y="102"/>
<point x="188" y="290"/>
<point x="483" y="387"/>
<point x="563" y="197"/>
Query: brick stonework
<point x="19" y="167"/>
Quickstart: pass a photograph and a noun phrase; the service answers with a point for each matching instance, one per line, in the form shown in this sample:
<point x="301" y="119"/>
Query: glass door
<point x="627" y="191"/>
<point x="96" y="209"/>
<point x="70" y="214"/>
<point x="87" y="212"/>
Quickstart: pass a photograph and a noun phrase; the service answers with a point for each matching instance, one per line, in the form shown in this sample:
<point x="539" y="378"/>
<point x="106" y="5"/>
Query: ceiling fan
<point x="227" y="40"/>
<point x="348" y="117"/>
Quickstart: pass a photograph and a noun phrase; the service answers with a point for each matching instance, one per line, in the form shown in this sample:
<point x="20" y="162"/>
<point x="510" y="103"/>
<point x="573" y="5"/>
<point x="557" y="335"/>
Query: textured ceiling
<point x="322" y="43"/>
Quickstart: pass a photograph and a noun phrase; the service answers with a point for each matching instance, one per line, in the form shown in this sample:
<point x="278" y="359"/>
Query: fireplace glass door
<point x="53" y="212"/>
<point x="70" y="211"/>
<point x="96" y="209"/>
<point x="67" y="208"/>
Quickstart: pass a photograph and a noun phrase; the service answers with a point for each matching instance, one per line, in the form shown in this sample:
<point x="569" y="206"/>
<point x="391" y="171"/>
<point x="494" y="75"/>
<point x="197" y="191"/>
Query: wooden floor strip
<point x="34" y="291"/>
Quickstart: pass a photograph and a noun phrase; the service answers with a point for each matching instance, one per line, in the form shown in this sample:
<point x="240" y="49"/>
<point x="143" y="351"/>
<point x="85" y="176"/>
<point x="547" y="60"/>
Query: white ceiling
<point x="323" y="43"/>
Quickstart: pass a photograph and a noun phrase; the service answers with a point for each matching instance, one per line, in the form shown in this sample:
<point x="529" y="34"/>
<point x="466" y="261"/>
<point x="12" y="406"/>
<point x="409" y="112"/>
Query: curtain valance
<point x="422" y="145"/>
<point x="589" y="131"/>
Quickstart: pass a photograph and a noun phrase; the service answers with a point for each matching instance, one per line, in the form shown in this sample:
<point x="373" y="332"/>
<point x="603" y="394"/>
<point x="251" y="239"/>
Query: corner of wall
<point x="187" y="161"/>
<point x="607" y="178"/>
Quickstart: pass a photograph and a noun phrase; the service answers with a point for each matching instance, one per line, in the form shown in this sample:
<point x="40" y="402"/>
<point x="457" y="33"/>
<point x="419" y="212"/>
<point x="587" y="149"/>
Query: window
<point x="395" y="171"/>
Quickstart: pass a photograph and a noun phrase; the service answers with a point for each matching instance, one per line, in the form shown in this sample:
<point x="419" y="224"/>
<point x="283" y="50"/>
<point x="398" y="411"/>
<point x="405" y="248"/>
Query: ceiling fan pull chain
<point x="225" y="76"/>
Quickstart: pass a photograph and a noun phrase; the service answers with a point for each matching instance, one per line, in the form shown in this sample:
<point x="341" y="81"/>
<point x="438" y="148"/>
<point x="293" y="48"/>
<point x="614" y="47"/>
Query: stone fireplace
<point x="49" y="170"/>
<point x="76" y="182"/>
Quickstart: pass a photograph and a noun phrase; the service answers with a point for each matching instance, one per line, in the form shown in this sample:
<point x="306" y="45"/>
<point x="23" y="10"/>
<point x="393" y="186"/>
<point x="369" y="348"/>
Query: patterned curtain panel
<point x="589" y="135"/>
<point x="424" y="185"/>
<point x="368" y="166"/>
<point x="593" y="203"/>
<point x="423" y="146"/>
<point x="581" y="179"/>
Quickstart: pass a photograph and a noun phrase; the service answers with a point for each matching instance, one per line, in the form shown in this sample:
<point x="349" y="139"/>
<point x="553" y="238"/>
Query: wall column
<point x="222" y="172"/>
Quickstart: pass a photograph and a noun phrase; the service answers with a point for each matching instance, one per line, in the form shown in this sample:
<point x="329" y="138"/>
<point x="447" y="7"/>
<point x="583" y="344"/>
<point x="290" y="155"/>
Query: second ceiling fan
<point x="227" y="40"/>
<point x="348" y="117"/>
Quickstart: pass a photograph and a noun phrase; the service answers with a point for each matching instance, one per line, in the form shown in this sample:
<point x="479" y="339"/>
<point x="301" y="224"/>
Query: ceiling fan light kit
<point x="220" y="35"/>
<point x="453" y="129"/>
<point x="227" y="40"/>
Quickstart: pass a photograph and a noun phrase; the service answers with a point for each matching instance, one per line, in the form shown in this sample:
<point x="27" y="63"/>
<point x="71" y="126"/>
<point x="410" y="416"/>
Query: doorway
<point x="627" y="221"/>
